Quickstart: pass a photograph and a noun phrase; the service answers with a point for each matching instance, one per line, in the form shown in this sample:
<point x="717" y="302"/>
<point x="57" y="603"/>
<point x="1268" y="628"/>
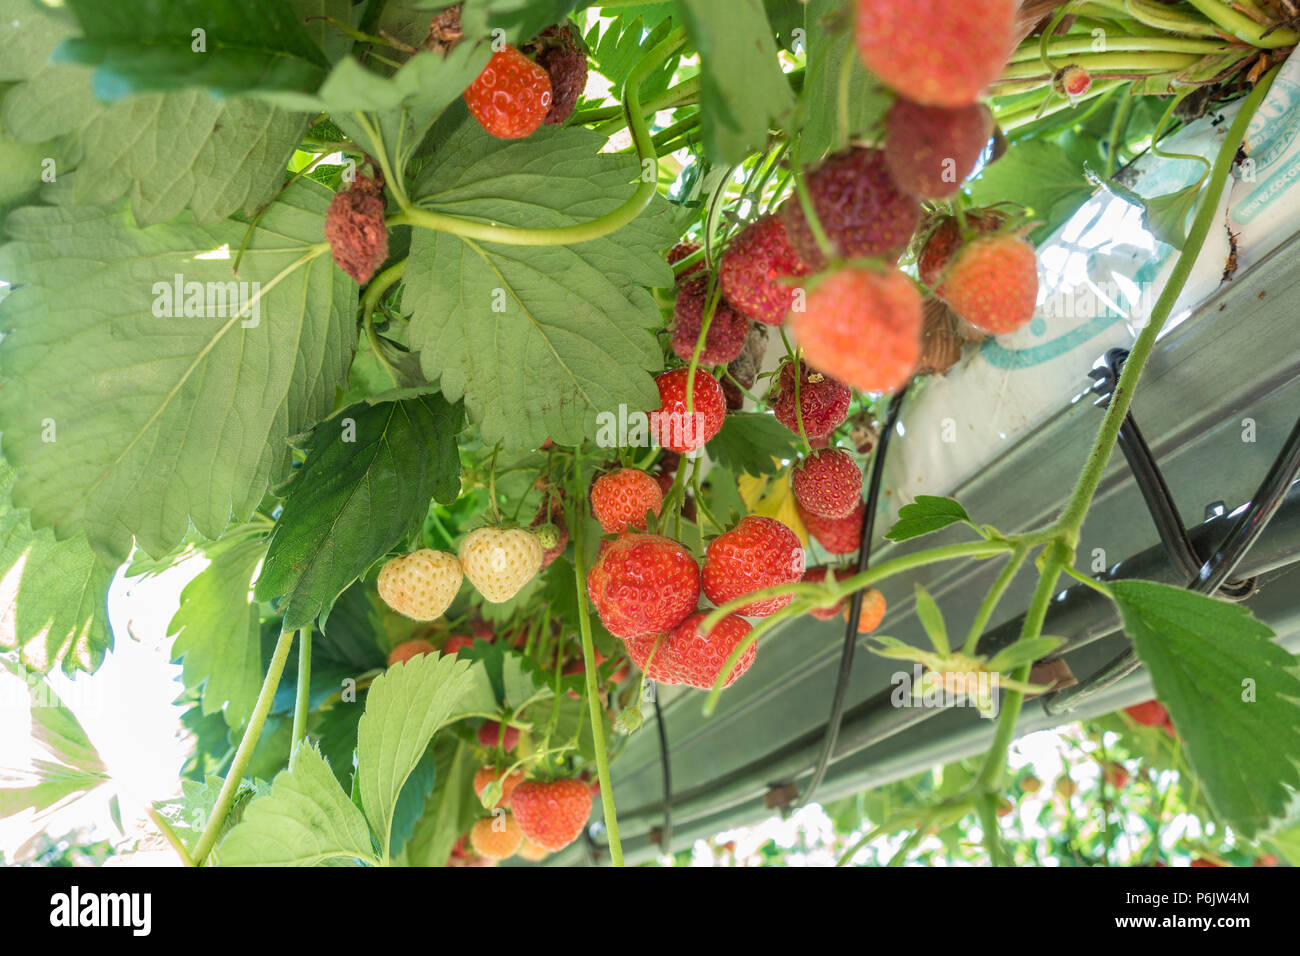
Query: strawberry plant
<point x="500" y="359"/>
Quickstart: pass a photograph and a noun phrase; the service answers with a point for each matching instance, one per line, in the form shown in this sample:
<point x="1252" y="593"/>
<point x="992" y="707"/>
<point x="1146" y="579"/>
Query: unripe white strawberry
<point x="420" y="585"/>
<point x="500" y="561"/>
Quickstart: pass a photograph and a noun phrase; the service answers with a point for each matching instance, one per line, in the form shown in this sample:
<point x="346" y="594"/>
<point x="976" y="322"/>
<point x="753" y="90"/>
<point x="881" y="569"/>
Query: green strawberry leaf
<point x="410" y="802"/>
<point x="867" y="99"/>
<point x="166" y="152"/>
<point x="53" y="594"/>
<point x="752" y="443"/>
<point x="743" y="92"/>
<point x="925" y="515"/>
<point x="520" y="19"/>
<point x="931" y="618"/>
<point x="365" y="486"/>
<point x="619" y="45"/>
<point x="1023" y="652"/>
<point x="1232" y="692"/>
<point x="1039" y="175"/>
<point x="450" y="809"/>
<point x="405" y="707"/>
<point x="227" y="47"/>
<point x="305" y="820"/>
<point x="537" y="340"/>
<point x="218" y="637"/>
<point x="158" y="421"/>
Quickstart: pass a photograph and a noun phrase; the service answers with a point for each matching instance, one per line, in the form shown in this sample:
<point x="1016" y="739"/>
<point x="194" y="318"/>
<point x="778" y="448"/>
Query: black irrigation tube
<point x="1210" y="575"/>
<point x="855" y="604"/>
<point x="666" y="836"/>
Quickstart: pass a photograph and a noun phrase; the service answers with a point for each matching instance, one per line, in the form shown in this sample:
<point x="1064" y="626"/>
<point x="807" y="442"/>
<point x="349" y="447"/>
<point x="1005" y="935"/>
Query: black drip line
<point x="855" y="603"/>
<point x="1206" y="575"/>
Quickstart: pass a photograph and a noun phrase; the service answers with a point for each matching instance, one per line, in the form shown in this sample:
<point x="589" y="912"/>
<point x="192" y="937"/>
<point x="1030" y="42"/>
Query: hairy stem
<point x="593" y="690"/>
<point x="256" y="721"/>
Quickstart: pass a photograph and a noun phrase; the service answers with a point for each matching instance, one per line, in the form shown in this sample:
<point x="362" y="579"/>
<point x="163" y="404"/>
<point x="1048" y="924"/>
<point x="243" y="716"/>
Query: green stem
<point x="1243" y="27"/>
<point x="824" y="596"/>
<point x="1057" y="555"/>
<point x="593" y="691"/>
<point x="1099" y="64"/>
<point x="1076" y="508"/>
<point x="302" y="698"/>
<point x="1073" y="46"/>
<point x="991" y="599"/>
<point x="170" y="836"/>
<point x="1118" y="126"/>
<point x="244" y="753"/>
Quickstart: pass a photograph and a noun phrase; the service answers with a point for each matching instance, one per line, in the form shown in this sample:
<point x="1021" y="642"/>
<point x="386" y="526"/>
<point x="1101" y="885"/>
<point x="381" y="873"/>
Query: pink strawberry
<point x="688" y="656"/>
<point x="835" y="535"/>
<point x="864" y="327"/>
<point x="862" y="211"/>
<point x="931" y="150"/>
<point x="676" y="429"/>
<point x="933" y="51"/>
<point x="727" y="329"/>
<point x="551" y="814"/>
<point x="823" y="401"/>
<point x="620" y="499"/>
<point x="758" y="553"/>
<point x="643" y="584"/>
<point x="491" y="734"/>
<point x="992" y="283"/>
<point x="818" y="575"/>
<point x="828" y="483"/>
<point x="752" y="267"/>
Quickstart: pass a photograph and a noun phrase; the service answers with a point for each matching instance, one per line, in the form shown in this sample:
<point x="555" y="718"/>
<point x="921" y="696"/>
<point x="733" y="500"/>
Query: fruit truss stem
<point x="589" y="662"/>
<point x="244" y="753"/>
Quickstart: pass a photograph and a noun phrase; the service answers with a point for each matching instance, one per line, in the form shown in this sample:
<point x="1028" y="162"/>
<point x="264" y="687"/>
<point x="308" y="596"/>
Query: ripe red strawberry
<point x="485" y="775"/>
<point x="1149" y="713"/>
<point x="671" y="426"/>
<point x="992" y="283"/>
<point x="755" y="260"/>
<point x="643" y="584"/>
<point x="823" y="401"/>
<point x="935" y="52"/>
<point x="679" y="252"/>
<point x="696" y="659"/>
<point x="551" y="814"/>
<point x="404" y="651"/>
<point x="1072" y="80"/>
<point x="758" y="553"/>
<point x="620" y="499"/>
<point x="863" y="327"/>
<point x="491" y="734"/>
<point x="862" y="211"/>
<point x="727" y="329"/>
<point x="931" y="150"/>
<point x="355" y="229"/>
<point x="835" y="535"/>
<point x="512" y="95"/>
<point x="560" y="54"/>
<point x="945" y="238"/>
<point x="828" y="483"/>
<point x="871" y="613"/>
<point x="817" y="575"/>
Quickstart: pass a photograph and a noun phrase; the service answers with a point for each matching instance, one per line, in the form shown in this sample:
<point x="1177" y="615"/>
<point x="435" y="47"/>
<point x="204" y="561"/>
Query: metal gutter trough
<point x="1218" y="401"/>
